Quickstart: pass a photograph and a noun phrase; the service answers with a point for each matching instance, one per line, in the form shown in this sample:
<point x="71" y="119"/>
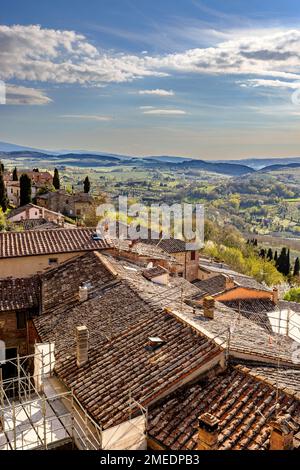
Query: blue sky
<point x="207" y="79"/>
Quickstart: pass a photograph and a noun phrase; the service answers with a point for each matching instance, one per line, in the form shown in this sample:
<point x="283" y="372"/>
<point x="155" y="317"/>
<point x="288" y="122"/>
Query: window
<point x="52" y="261"/>
<point x="193" y="255"/>
<point x="21" y="320"/>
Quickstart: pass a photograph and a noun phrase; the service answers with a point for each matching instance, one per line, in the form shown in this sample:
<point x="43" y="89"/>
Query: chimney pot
<point x="229" y="283"/>
<point x="83" y="293"/>
<point x="282" y="437"/>
<point x="82" y="346"/>
<point x="209" y="307"/>
<point x="275" y="295"/>
<point x="208" y="432"/>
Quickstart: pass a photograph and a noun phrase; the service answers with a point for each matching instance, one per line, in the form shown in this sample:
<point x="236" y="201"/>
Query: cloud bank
<point x="33" y="53"/>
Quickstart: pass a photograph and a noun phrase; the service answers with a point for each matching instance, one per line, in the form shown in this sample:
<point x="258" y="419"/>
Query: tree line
<point x="282" y="261"/>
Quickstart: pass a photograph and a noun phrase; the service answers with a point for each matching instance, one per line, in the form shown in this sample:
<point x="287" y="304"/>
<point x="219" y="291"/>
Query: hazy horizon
<point x="202" y="79"/>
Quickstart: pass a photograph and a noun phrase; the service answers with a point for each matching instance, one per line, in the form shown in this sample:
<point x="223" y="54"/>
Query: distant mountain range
<point x="32" y="157"/>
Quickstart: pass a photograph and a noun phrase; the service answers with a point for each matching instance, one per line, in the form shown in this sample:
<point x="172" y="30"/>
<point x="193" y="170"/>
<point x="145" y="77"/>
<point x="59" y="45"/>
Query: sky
<point x="206" y="79"/>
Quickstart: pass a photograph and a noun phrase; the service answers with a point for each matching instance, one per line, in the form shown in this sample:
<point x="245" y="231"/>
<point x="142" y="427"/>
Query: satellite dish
<point x="150" y="265"/>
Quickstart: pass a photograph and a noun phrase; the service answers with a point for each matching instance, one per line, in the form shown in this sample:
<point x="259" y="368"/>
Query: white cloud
<point x="33" y="53"/>
<point x="87" y="117"/>
<point x="146" y="107"/>
<point x="165" y="112"/>
<point x="20" y="95"/>
<point x="157" y="92"/>
<point x="260" y="82"/>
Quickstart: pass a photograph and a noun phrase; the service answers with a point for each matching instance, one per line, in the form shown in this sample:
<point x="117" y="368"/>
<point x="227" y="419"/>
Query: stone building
<point x="72" y="205"/>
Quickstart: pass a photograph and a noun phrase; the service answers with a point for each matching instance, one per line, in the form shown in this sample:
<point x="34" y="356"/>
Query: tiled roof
<point x="212" y="286"/>
<point x="217" y="284"/>
<point x="14" y="244"/>
<point x="254" y="309"/>
<point x="284" y="304"/>
<point x="111" y="309"/>
<point x="249" y="283"/>
<point x="287" y="377"/>
<point x="243" y="404"/>
<point x="141" y="249"/>
<point x="251" y="306"/>
<point x="124" y="363"/>
<point x="172" y="245"/>
<point x="37" y="224"/>
<point x="61" y="284"/>
<point x="151" y="273"/>
<point x="17" y="294"/>
<point x="246" y="336"/>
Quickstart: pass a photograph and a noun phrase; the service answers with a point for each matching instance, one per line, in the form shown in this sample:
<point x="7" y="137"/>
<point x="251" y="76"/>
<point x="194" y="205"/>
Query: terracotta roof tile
<point x="19" y="293"/>
<point x="125" y="364"/>
<point x="243" y="404"/>
<point x="30" y="243"/>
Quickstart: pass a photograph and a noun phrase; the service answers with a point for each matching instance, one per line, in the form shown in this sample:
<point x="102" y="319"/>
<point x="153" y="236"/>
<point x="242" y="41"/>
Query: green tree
<point x="297" y="267"/>
<point x="15" y="174"/>
<point x="87" y="185"/>
<point x="283" y="262"/>
<point x="25" y="190"/>
<point x="3" y="192"/>
<point x="56" y="182"/>
<point x="293" y="295"/>
<point x="270" y="254"/>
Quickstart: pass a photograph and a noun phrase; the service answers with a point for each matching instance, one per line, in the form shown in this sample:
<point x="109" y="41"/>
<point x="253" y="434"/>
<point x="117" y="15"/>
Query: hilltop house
<point x="33" y="212"/>
<point x="72" y="205"/>
<point x="38" y="180"/>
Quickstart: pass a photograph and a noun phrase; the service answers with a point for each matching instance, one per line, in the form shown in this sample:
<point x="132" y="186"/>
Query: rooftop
<point x="19" y="293"/>
<point x="217" y="284"/>
<point x="142" y="249"/>
<point x="244" y="405"/>
<point x="172" y="245"/>
<point x="120" y="324"/>
<point x="156" y="271"/>
<point x="31" y="243"/>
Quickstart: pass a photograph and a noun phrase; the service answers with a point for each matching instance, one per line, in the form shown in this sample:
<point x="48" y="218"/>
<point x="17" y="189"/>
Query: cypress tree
<point x="276" y="257"/>
<point x="15" y="174"/>
<point x="56" y="182"/>
<point x="87" y="185"/>
<point x="270" y="254"/>
<point x="288" y="263"/>
<point x="281" y="262"/>
<point x="25" y="190"/>
<point x="297" y="267"/>
<point x="3" y="192"/>
<point x="262" y="253"/>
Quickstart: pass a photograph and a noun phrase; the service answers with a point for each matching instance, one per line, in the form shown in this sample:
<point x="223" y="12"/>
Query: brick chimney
<point x="208" y="432"/>
<point x="282" y="435"/>
<point x="229" y="283"/>
<point x="275" y="295"/>
<point x="82" y="345"/>
<point x="209" y="307"/>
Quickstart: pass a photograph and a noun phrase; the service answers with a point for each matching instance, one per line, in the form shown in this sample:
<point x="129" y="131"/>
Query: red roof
<point x="31" y="243"/>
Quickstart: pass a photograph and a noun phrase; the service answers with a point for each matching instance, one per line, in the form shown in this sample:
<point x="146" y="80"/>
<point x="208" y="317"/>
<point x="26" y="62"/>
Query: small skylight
<point x="154" y="342"/>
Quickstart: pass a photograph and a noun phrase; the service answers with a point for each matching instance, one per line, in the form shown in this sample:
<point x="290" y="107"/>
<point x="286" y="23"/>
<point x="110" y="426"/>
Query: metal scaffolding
<point x="37" y="417"/>
<point x="36" y="414"/>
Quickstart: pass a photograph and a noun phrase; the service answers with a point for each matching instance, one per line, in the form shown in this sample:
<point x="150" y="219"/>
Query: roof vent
<point x="154" y="342"/>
